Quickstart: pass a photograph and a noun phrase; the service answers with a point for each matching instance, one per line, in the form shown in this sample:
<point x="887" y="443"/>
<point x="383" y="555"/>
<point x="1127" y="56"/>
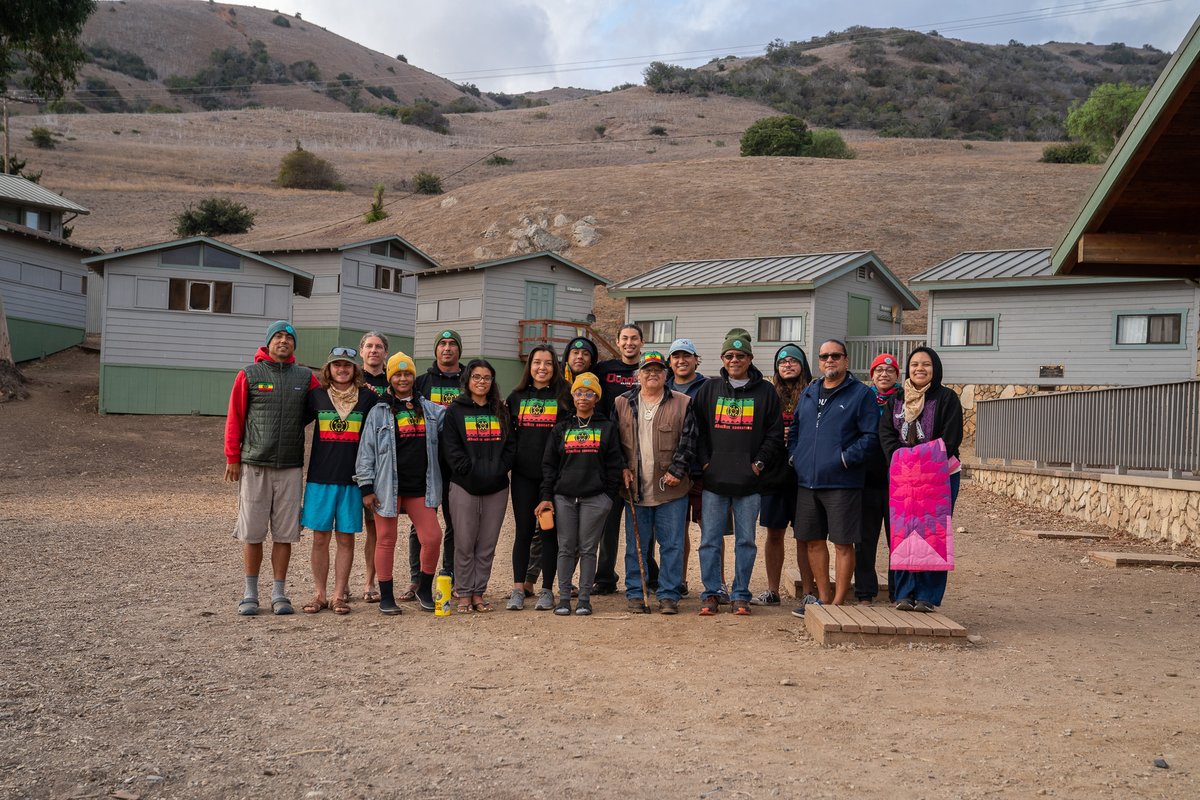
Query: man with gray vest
<point x="264" y="454"/>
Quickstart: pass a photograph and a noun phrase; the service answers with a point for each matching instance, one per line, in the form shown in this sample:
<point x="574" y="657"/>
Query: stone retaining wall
<point x="1156" y="509"/>
<point x="969" y="393"/>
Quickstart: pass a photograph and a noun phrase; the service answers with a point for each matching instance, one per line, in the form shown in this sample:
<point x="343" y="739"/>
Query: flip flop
<point x="482" y="607"/>
<point x="314" y="606"/>
<point x="409" y="595"/>
<point x="465" y="608"/>
<point x="248" y="607"/>
<point x="282" y="607"/>
<point x="371" y="595"/>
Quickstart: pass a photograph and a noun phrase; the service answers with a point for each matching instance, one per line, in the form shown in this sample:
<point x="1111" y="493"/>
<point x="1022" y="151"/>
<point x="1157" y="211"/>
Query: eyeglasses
<point x="343" y="352"/>
<point x="481" y="378"/>
<point x="793" y="362"/>
<point x="831" y="356"/>
<point x="734" y="357"/>
<point x="582" y="393"/>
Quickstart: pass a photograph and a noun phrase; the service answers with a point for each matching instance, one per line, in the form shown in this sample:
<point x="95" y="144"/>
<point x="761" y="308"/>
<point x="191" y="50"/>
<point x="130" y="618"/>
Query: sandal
<point x="371" y="595"/>
<point x="341" y="606"/>
<point x="482" y="607"/>
<point x="282" y="607"/>
<point x="409" y="595"/>
<point x="464" y="608"/>
<point x="314" y="606"/>
<point x="248" y="607"/>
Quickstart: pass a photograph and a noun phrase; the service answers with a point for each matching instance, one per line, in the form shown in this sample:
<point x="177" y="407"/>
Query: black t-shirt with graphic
<point x="377" y="383"/>
<point x="616" y="378"/>
<point x="412" y="458"/>
<point x="335" y="440"/>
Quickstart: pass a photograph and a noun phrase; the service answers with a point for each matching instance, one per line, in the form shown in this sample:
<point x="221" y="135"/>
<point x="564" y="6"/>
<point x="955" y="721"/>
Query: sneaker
<point x="808" y="600"/>
<point x="516" y="600"/>
<point x="545" y="601"/>
<point x="584" y="609"/>
<point x="767" y="598"/>
<point x="924" y="607"/>
<point x="668" y="606"/>
<point x="683" y="589"/>
<point x="723" y="595"/>
<point x="709" y="606"/>
<point x="563" y="608"/>
<point x="740" y="607"/>
<point x="906" y="605"/>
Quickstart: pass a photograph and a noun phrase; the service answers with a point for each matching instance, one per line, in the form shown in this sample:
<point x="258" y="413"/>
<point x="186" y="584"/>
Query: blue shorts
<point x="332" y="507"/>
<point x="779" y="510"/>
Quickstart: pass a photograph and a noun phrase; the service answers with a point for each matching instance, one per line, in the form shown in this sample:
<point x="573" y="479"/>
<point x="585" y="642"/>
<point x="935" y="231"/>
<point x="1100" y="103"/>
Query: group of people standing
<point x="579" y="446"/>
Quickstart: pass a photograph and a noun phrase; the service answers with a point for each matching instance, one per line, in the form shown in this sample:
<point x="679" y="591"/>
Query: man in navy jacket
<point x="833" y="429"/>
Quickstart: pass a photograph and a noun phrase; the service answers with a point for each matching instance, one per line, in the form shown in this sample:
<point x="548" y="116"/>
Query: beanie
<point x="884" y="359"/>
<point x="448" y="334"/>
<point x="738" y="343"/>
<point x="400" y="363"/>
<point x="281" y="326"/>
<point x="586" y="380"/>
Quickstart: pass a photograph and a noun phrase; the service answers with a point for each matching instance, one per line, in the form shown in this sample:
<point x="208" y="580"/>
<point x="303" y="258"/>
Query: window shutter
<point x="177" y="295"/>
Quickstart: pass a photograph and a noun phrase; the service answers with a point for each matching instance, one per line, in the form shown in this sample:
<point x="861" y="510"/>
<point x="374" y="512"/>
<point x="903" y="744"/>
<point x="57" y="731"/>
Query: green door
<point x="539" y="304"/>
<point x="858" y="317"/>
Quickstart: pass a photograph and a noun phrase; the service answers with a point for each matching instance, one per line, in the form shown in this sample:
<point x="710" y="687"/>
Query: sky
<point x="526" y="45"/>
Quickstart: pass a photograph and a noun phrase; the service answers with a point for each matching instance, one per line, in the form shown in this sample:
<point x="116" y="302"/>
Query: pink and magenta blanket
<point x="919" y="494"/>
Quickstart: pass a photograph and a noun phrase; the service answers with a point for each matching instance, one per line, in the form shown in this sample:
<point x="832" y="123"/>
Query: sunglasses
<point x="831" y="356"/>
<point x="343" y="352"/>
<point x="734" y="357"/>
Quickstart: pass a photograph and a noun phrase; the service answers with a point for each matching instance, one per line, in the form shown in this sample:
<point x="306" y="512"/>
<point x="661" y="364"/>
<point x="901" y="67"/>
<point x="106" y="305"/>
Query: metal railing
<point x="863" y="349"/>
<point x="1154" y="427"/>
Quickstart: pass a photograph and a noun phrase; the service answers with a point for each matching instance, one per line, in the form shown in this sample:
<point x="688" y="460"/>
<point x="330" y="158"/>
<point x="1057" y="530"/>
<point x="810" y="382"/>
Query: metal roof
<point x="42" y="236"/>
<point x="20" y="190"/>
<point x="985" y="264"/>
<point x="302" y="284"/>
<point x="769" y="273"/>
<point x="283" y="246"/>
<point x="499" y="262"/>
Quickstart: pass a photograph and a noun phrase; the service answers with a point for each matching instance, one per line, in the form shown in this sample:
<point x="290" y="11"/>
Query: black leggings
<point x="525" y="498"/>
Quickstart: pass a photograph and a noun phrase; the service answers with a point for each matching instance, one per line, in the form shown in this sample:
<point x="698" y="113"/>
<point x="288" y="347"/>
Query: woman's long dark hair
<point x="557" y="382"/>
<point x="494" y="402"/>
<point x="412" y="404"/>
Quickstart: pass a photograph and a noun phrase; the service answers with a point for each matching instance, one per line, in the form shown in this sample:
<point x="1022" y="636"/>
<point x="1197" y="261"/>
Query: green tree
<point x="301" y="169"/>
<point x="42" y="36"/>
<point x="214" y="216"/>
<point x="1100" y="120"/>
<point x="777" y="136"/>
<point x="426" y="183"/>
<point x="377" y="212"/>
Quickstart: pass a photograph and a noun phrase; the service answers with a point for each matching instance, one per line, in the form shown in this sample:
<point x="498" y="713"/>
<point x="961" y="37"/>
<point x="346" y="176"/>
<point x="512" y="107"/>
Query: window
<point x="1149" y="328"/>
<point x="387" y="250"/>
<point x="38" y="220"/>
<point x="10" y="214"/>
<point x="968" y="332"/>
<point x="780" y="329"/>
<point x="211" y="296"/>
<point x="326" y="284"/>
<point x="200" y="255"/>
<point x="447" y="309"/>
<point x="390" y="279"/>
<point x="657" y="330"/>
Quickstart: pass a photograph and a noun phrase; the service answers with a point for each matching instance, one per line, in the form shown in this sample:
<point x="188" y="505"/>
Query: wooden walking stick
<point x="637" y="538"/>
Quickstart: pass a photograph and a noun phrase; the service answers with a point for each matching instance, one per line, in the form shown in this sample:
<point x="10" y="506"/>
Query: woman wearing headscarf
<point x="922" y="412"/>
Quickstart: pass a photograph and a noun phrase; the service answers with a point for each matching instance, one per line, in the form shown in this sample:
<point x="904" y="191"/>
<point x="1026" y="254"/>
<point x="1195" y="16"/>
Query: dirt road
<point x="124" y="670"/>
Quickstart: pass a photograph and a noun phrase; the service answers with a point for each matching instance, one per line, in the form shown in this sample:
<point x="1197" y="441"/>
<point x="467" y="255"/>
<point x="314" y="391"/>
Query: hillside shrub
<point x="65" y="106"/>
<point x="498" y="161"/>
<point x="463" y="105"/>
<point x="377" y="211"/>
<point x="777" y="136"/>
<point x="214" y="216"/>
<point x="42" y="138"/>
<point x="829" y="144"/>
<point x="159" y="108"/>
<point x="281" y="21"/>
<point x="304" y="71"/>
<point x="657" y="130"/>
<point x="99" y="94"/>
<point x="382" y="92"/>
<point x="600" y="129"/>
<point x="301" y="169"/>
<point x="125" y="62"/>
<point x="1068" y="153"/>
<point x="426" y="183"/>
<point x="425" y="114"/>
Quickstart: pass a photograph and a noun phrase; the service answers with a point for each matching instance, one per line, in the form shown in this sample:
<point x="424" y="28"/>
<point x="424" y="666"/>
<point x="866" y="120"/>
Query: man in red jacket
<point x="264" y="454"/>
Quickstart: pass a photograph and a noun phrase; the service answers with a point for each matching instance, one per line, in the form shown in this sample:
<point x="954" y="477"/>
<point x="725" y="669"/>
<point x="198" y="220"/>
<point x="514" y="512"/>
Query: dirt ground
<point x="125" y="672"/>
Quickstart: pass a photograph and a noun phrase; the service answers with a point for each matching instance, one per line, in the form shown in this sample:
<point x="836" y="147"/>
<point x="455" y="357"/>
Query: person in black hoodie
<point x="541" y="400"/>
<point x="740" y="437"/>
<point x="579" y="356"/>
<point x="440" y="384"/>
<point x="581" y="474"/>
<point x="477" y="444"/>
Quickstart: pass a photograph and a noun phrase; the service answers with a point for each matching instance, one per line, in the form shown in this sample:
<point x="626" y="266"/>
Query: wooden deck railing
<point x="557" y="332"/>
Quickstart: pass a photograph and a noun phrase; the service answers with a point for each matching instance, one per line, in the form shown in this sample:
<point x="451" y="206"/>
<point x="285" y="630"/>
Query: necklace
<point x="650" y="408"/>
<point x="583" y="423"/>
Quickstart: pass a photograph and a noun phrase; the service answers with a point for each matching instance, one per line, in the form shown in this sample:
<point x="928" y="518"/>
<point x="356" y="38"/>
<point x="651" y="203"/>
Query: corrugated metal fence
<point x="1155" y="427"/>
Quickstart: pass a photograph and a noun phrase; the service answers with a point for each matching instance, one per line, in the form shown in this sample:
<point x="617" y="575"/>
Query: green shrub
<point x="600" y="129"/>
<point x="425" y="114"/>
<point x="1068" y="153"/>
<point x="127" y="63"/>
<point x="829" y="144"/>
<point x="301" y="169"/>
<point x="42" y="138"/>
<point x="498" y="161"/>
<point x="657" y="130"/>
<point x="101" y="95"/>
<point x="304" y="71"/>
<point x="383" y="92"/>
<point x="777" y="136"/>
<point x="158" y="108"/>
<point x="541" y="115"/>
<point x="214" y="216"/>
<point x="376" y="212"/>
<point x="426" y="183"/>
<point x="281" y="21"/>
<point x="463" y="105"/>
<point x="65" y="106"/>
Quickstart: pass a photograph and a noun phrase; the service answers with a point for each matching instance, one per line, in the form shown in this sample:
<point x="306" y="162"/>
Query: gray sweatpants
<point x="477" y="521"/>
<point x="580" y="525"/>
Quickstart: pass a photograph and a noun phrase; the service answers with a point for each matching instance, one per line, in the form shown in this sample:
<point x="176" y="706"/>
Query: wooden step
<point x="1111" y="559"/>
<point x="876" y="625"/>
<point x="1062" y="535"/>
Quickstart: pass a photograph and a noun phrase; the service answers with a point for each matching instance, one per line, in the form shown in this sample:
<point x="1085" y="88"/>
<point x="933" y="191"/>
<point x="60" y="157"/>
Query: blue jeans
<point x="714" y="509"/>
<point x="927" y="586"/>
<point x="664" y="524"/>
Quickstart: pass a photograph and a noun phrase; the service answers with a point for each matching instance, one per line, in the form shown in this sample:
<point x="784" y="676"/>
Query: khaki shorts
<point x="269" y="497"/>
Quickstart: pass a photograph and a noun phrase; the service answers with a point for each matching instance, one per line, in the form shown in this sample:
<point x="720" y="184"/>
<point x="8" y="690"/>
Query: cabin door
<point x="858" y="316"/>
<point x="539" y="304"/>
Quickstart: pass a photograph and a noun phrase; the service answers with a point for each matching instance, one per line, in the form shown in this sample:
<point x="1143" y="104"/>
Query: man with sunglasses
<point x="833" y="429"/>
<point x="264" y="455"/>
<point x="740" y="437"/>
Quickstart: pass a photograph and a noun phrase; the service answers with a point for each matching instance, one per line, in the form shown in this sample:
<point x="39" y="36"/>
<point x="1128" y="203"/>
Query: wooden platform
<point x="793" y="575"/>
<point x="880" y="625"/>
<point x="1110" y="559"/>
<point x="1062" y="535"/>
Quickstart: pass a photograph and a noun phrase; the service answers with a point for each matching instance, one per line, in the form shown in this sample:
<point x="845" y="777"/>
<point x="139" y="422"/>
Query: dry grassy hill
<point x="653" y="198"/>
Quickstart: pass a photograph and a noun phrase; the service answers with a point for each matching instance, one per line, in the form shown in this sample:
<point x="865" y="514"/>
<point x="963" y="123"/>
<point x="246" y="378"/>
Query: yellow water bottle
<point x="443" y="594"/>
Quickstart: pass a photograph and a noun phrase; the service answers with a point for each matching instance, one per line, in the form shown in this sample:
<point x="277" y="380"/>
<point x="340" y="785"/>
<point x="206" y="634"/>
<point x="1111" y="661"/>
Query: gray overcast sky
<point x="525" y="45"/>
